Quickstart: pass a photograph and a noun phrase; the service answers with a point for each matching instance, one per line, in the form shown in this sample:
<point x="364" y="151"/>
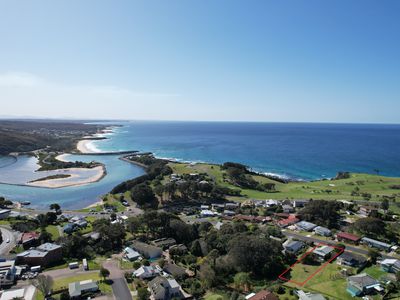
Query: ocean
<point x="301" y="151"/>
<point x="297" y="151"/>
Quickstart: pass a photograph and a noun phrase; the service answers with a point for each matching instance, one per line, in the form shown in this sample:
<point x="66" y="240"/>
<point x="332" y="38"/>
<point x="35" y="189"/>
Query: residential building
<point x="164" y="243"/>
<point x="4" y="213"/>
<point x="175" y="270"/>
<point x="77" y="290"/>
<point x="309" y="296"/>
<point x="43" y="255"/>
<point x="322" y="231"/>
<point x="299" y="203"/>
<point x="367" y="211"/>
<point x="29" y="239"/>
<point x="145" y="272"/>
<point x="348" y="237"/>
<point x="376" y="244"/>
<point x="162" y="288"/>
<point x="293" y="247"/>
<point x="290" y="220"/>
<point x="131" y="254"/>
<point x="148" y="251"/>
<point x="69" y="228"/>
<point x="350" y="259"/>
<point x="26" y="293"/>
<point x="262" y="295"/>
<point x="305" y="226"/>
<point x="232" y="205"/>
<point x="323" y="252"/>
<point x="287" y="208"/>
<point x="7" y="273"/>
<point x="390" y="265"/>
<point x="362" y="284"/>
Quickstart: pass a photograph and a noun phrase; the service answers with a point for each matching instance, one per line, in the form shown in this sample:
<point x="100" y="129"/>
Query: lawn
<point x="328" y="281"/>
<point x="53" y="230"/>
<point x="64" y="282"/>
<point x="375" y="185"/>
<point x="376" y="272"/>
<point x="215" y="296"/>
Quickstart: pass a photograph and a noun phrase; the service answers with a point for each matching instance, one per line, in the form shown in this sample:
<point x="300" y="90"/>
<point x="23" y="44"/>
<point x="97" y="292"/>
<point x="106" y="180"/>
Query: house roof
<point x="363" y="280"/>
<point x="48" y="247"/>
<point x="368" y="240"/>
<point x="27" y="236"/>
<point x="348" y="256"/>
<point x="348" y="236"/>
<point x="174" y="270"/>
<point x="306" y="225"/>
<point x="75" y="288"/>
<point x="294" y="245"/>
<point x="264" y="295"/>
<point x="322" y="229"/>
<point x="323" y="250"/>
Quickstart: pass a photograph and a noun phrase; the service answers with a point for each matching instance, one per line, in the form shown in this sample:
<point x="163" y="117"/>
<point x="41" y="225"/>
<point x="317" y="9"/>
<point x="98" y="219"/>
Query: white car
<point x="7" y="241"/>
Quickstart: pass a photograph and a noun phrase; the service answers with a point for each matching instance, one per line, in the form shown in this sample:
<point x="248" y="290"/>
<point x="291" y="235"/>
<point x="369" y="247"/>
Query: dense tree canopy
<point x="321" y="212"/>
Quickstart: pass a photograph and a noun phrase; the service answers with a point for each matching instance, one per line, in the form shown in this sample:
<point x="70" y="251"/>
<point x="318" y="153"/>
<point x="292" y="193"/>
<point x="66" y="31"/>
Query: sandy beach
<point x="86" y="146"/>
<point x="79" y="176"/>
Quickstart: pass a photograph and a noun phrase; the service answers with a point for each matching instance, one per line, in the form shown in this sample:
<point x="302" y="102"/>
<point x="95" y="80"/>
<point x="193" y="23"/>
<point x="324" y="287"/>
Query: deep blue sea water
<point x="296" y="150"/>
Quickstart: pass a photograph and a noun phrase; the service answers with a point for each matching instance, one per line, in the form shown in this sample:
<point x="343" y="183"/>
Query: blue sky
<point x="308" y="61"/>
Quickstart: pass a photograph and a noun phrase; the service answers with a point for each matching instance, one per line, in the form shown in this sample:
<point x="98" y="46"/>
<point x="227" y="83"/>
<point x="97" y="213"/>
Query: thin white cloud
<point x="20" y="79"/>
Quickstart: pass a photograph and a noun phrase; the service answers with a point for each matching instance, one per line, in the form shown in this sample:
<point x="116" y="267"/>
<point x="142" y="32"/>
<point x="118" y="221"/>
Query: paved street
<point x="119" y="286"/>
<point x="7" y="234"/>
<point x="313" y="239"/>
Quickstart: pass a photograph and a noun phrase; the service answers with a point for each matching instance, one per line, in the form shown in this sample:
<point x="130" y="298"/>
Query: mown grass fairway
<point x="376" y="186"/>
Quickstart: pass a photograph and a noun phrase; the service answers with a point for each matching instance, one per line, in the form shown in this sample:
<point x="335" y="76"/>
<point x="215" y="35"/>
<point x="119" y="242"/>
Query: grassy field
<point x="64" y="282"/>
<point x="375" y="185"/>
<point x="53" y="230"/>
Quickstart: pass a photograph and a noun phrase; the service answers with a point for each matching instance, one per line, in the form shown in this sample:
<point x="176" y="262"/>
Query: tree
<point x="196" y="248"/>
<point x="55" y="206"/>
<point x="373" y="255"/>
<point x="43" y="283"/>
<point x="324" y="213"/>
<point x="143" y="195"/>
<point x="45" y="237"/>
<point x="385" y="204"/>
<point x="370" y="226"/>
<point x="4" y="202"/>
<point x="242" y="281"/>
<point x="104" y="273"/>
<point x="207" y="276"/>
<point x="143" y="293"/>
<point x="398" y="276"/>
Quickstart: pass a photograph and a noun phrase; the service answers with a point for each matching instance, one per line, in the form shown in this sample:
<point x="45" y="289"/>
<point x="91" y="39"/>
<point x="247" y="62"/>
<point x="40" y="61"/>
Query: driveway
<point x="119" y="285"/>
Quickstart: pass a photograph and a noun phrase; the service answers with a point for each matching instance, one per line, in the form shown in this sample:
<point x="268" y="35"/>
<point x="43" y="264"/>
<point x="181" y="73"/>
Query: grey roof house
<point x="293" y="246"/>
<point x="362" y="284"/>
<point x="351" y="259"/>
<point x="323" y="252"/>
<point x="322" y="231"/>
<point x="148" y="251"/>
<point x="305" y="226"/>
<point x="162" y="288"/>
<point x="77" y="289"/>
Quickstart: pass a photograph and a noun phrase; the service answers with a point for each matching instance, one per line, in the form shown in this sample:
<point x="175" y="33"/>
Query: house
<point x="4" y="213"/>
<point x="131" y="254"/>
<point x="390" y="265"/>
<point x="229" y="212"/>
<point x="376" y="244"/>
<point x="287" y="208"/>
<point x="290" y="220"/>
<point x="162" y="288"/>
<point x="69" y="228"/>
<point x="29" y="239"/>
<point x="7" y="273"/>
<point x="323" y="252"/>
<point x="145" y="272"/>
<point x="299" y="203"/>
<point x="262" y="295"/>
<point x="78" y="289"/>
<point x="367" y="211"/>
<point x="26" y="293"/>
<point x="218" y="206"/>
<point x="351" y="259"/>
<point x="232" y="205"/>
<point x="164" y="243"/>
<point x="174" y="270"/>
<point x="322" y="231"/>
<point x="43" y="255"/>
<point x="362" y="284"/>
<point x="293" y="247"/>
<point x="305" y="226"/>
<point x="205" y="213"/>
<point x="309" y="296"/>
<point x="148" y="251"/>
<point x="348" y="237"/>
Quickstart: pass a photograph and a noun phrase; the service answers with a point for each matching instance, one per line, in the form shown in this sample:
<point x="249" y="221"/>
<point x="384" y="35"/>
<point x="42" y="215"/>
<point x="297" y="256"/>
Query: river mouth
<point x="15" y="176"/>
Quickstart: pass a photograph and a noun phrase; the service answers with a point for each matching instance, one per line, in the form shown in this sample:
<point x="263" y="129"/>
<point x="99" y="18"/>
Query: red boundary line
<point x="317" y="271"/>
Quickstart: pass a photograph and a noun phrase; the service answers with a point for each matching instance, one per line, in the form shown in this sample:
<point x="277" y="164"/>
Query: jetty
<point x="110" y="153"/>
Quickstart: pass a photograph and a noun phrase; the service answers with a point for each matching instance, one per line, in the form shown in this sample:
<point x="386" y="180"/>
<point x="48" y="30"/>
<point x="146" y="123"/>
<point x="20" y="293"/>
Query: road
<point x="5" y="247"/>
<point x="316" y="240"/>
<point x="119" y="285"/>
